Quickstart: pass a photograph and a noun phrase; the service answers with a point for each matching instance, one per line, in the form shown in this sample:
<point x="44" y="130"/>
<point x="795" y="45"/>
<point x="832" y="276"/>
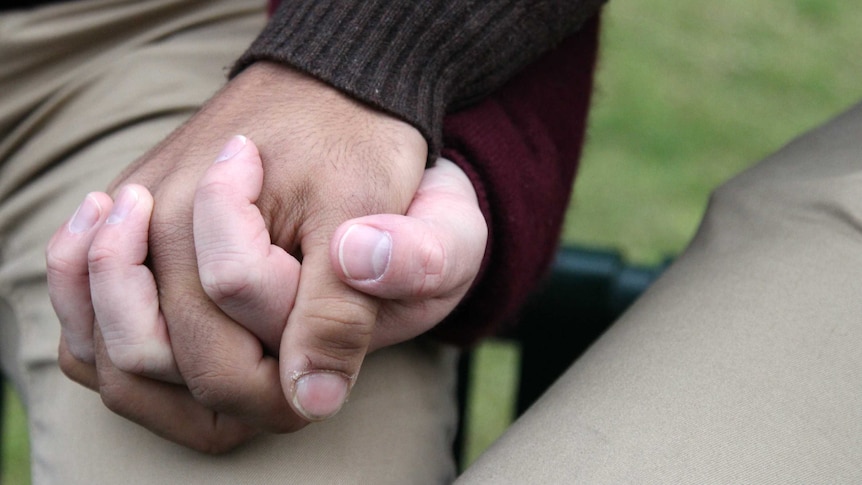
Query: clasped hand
<point x="211" y="301"/>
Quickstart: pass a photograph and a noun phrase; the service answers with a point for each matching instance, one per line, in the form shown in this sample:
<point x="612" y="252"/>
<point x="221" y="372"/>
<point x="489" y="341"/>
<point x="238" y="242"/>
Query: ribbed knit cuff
<point x="520" y="149"/>
<point x="415" y="59"/>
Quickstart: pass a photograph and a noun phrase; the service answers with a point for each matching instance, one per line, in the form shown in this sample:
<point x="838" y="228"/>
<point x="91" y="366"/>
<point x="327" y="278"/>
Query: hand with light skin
<point x="333" y="161"/>
<point x="421" y="264"/>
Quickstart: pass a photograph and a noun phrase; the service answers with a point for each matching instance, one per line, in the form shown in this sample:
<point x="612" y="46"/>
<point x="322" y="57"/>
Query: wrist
<point x="284" y="94"/>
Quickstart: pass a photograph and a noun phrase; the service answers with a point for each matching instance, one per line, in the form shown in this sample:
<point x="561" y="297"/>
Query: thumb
<point x="327" y="337"/>
<point x="433" y="251"/>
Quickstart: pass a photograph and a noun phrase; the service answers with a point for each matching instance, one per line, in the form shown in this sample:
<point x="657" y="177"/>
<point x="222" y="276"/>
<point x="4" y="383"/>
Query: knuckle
<point x="81" y="348"/>
<point x="58" y="262"/>
<point x="213" y="188"/>
<point x="342" y="329"/>
<point x="131" y="357"/>
<point x="100" y="257"/>
<point x="132" y="364"/>
<point x="213" y="390"/>
<point x="338" y="352"/>
<point x="225" y="280"/>
<point x="68" y="364"/>
<point x="74" y="369"/>
<point x="340" y="312"/>
<point x="433" y="258"/>
<point x="114" y="396"/>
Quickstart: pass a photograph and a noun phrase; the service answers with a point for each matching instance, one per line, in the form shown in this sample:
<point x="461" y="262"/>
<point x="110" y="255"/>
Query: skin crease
<point x="334" y="149"/>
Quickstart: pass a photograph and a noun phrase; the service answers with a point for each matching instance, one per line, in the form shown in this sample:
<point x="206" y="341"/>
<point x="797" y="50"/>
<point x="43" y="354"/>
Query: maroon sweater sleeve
<point x="520" y="147"/>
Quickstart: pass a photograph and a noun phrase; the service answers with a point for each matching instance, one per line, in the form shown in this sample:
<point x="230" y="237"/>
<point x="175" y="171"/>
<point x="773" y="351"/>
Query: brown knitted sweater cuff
<point x="415" y="60"/>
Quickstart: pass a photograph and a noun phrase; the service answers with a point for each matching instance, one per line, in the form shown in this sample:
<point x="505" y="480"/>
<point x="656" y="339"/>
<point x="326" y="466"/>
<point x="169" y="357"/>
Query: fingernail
<point x="319" y="395"/>
<point x="364" y="252"/>
<point x="85" y="216"/>
<point x="231" y="148"/>
<point x="123" y="205"/>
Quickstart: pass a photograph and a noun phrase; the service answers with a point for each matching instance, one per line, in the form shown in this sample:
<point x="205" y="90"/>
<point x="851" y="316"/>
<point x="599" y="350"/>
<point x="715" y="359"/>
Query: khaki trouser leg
<point x="85" y="88"/>
<point x="743" y="364"/>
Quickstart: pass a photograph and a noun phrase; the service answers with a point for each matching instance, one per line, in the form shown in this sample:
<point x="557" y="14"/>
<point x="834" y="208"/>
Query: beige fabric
<point x="85" y="88"/>
<point x="743" y="364"/>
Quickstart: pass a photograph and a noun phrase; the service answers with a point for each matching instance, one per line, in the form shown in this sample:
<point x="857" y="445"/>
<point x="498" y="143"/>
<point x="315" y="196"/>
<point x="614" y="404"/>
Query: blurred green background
<point x="689" y="94"/>
<point x="692" y="92"/>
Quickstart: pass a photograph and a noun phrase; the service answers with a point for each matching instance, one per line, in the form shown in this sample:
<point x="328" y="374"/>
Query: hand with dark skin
<point x="262" y="344"/>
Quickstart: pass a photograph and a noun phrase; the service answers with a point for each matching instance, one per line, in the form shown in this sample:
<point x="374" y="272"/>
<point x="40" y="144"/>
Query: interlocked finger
<point x="124" y="294"/>
<point x="250" y="279"/>
<point x="69" y="276"/>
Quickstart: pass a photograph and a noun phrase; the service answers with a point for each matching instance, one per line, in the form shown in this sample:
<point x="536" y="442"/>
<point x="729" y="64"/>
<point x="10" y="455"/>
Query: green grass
<point x="491" y="400"/>
<point x="690" y="93"/>
<point x="16" y="457"/>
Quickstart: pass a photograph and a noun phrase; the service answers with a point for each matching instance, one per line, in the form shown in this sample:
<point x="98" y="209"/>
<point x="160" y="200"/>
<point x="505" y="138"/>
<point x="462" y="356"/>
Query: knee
<point x="787" y="197"/>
